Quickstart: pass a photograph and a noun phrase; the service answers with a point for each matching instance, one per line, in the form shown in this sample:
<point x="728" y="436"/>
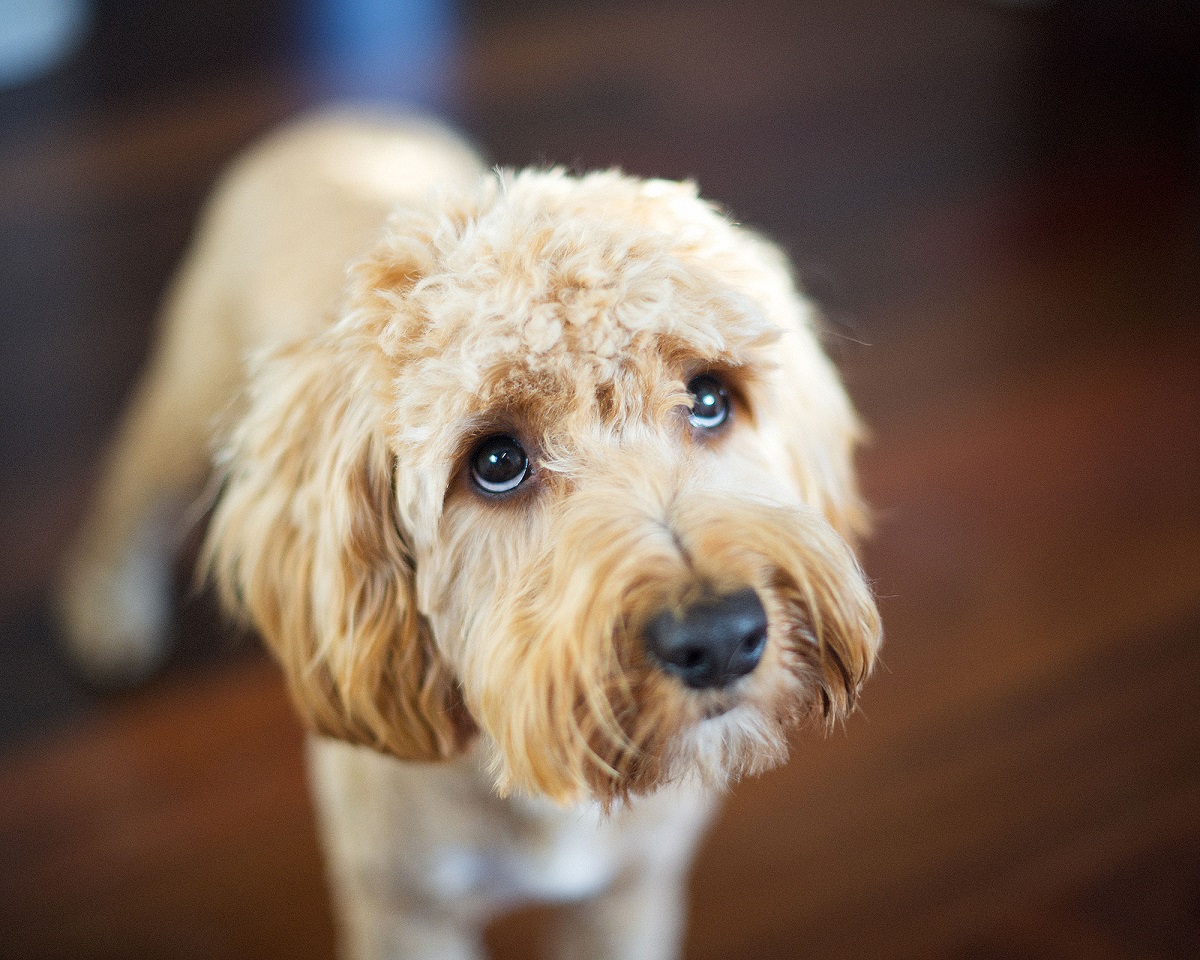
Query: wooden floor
<point x="998" y="207"/>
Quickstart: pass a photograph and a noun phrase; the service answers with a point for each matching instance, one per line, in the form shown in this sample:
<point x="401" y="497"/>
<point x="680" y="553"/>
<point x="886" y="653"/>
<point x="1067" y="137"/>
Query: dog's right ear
<point x="306" y="543"/>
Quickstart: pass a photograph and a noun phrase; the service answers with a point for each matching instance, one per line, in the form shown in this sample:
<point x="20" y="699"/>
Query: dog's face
<point x="571" y="472"/>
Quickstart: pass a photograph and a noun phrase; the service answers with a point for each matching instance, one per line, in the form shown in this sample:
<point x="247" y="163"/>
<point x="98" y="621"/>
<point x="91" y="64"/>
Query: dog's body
<point x="422" y="856"/>
<point x="551" y="488"/>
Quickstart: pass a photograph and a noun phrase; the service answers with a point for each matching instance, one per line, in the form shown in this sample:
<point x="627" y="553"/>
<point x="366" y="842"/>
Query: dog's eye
<point x="499" y="465"/>
<point x="710" y="402"/>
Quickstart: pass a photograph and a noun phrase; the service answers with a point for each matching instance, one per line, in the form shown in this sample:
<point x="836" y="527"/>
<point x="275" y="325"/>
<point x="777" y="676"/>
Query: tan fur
<point x="417" y="617"/>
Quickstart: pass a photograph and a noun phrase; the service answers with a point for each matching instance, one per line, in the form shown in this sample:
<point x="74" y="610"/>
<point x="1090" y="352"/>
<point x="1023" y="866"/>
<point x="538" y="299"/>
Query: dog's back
<point x="294" y="211"/>
<point x="266" y="267"/>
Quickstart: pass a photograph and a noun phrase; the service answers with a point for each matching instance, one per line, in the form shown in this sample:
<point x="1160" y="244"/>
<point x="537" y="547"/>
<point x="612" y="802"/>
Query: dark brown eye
<point x="499" y="465"/>
<point x="710" y="402"/>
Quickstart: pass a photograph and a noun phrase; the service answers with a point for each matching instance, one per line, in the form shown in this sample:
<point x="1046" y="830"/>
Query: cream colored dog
<point x="547" y="494"/>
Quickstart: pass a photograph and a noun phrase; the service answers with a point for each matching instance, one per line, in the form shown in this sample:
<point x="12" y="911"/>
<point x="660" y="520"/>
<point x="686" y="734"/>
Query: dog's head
<point x="570" y="474"/>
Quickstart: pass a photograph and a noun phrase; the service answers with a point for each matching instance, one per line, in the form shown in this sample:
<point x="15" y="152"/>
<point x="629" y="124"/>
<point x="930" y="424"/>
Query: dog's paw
<point x="116" y="618"/>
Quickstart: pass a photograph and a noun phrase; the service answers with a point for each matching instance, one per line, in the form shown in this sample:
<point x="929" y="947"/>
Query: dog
<point x="540" y="489"/>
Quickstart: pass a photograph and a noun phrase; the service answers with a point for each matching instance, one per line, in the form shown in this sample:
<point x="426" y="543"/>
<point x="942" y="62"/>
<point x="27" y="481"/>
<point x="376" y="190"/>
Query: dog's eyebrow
<point x="481" y="424"/>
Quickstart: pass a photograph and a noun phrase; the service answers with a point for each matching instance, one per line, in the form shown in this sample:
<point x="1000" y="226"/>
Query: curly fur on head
<point x="414" y="614"/>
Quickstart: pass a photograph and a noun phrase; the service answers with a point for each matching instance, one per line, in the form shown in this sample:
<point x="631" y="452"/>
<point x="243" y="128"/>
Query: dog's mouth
<point x="715" y="711"/>
<point x="716" y="704"/>
<point x="668" y="668"/>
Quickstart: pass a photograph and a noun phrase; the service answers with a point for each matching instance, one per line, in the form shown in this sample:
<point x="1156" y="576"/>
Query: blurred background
<point x="996" y="205"/>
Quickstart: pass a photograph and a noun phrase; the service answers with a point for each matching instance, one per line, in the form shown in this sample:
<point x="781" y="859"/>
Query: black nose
<point x="713" y="642"/>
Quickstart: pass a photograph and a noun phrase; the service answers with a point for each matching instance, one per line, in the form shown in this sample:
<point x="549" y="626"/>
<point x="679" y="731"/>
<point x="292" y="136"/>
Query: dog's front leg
<point x="387" y="908"/>
<point x="640" y="917"/>
<point x="641" y="914"/>
<point x="114" y="594"/>
<point x="395" y="930"/>
<point x="386" y="827"/>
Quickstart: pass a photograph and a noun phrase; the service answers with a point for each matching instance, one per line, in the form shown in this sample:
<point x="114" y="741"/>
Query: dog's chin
<point x="727" y="736"/>
<point x="675" y="736"/>
<point x="735" y="738"/>
<point x="719" y="738"/>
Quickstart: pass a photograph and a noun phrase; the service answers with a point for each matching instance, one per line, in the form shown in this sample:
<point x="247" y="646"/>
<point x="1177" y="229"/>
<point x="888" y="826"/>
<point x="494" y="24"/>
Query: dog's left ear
<point x="305" y="541"/>
<point x="809" y="410"/>
<point x="822" y="431"/>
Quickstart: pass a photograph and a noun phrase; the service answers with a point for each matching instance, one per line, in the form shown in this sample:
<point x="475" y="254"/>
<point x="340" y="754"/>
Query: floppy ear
<point x="305" y="542"/>
<point x="821" y="430"/>
<point x="815" y="420"/>
<point x="809" y="412"/>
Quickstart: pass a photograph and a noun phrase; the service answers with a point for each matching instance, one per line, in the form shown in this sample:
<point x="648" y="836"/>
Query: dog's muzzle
<point x="712" y="642"/>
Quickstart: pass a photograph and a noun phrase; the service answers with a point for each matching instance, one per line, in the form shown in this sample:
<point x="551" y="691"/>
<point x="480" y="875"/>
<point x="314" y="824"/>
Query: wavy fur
<point x="408" y="611"/>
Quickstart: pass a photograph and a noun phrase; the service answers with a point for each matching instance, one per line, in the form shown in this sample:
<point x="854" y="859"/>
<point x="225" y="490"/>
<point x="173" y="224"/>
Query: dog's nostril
<point x="711" y="643"/>
<point x="753" y="643"/>
<point x="691" y="658"/>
